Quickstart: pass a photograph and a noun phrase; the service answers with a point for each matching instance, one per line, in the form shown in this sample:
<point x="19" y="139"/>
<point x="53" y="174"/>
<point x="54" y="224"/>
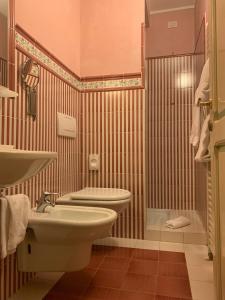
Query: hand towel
<point x="178" y="222"/>
<point x="19" y="208"/>
<point x="14" y="220"/>
<point x="203" y="152"/>
<point x="202" y="93"/>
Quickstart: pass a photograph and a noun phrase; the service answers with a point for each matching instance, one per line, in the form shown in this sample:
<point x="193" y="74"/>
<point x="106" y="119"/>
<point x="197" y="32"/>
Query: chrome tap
<point x="45" y="201"/>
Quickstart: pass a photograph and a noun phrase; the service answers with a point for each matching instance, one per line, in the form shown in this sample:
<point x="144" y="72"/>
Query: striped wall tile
<point x="63" y="176"/>
<point x="170" y="93"/>
<point x="3" y="72"/>
<point x="113" y="127"/>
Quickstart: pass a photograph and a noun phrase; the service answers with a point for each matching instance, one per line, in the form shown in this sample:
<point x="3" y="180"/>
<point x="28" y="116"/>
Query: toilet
<point x="116" y="199"/>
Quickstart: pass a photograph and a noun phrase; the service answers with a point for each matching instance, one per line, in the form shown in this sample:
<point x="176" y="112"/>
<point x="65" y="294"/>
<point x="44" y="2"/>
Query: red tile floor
<point x="126" y="274"/>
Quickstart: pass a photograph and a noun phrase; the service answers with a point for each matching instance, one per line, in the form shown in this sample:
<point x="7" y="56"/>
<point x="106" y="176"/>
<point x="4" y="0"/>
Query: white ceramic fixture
<point x="61" y="238"/>
<point x="116" y="199"/>
<point x="7" y="93"/>
<point x="19" y="165"/>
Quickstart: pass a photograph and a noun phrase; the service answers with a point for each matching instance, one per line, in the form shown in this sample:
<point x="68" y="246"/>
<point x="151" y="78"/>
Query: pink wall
<point x="56" y="25"/>
<point x="161" y="41"/>
<point x="111" y="36"/>
<point x="3" y="36"/>
<point x="91" y="37"/>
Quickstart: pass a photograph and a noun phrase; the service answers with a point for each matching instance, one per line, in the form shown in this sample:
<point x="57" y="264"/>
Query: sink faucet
<point x="45" y="201"/>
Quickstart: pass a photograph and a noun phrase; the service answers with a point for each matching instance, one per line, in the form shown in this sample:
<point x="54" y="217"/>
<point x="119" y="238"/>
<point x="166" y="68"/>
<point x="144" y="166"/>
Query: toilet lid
<point x="101" y="194"/>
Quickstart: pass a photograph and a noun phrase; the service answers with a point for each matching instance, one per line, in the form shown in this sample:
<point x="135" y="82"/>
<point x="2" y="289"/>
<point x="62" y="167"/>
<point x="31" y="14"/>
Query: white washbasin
<point x="61" y="238"/>
<point x="20" y="165"/>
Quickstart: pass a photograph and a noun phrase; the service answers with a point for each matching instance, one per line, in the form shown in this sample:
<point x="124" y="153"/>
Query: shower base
<point x="157" y="231"/>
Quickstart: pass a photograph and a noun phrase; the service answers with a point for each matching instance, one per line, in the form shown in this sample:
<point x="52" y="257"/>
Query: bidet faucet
<point x="45" y="201"/>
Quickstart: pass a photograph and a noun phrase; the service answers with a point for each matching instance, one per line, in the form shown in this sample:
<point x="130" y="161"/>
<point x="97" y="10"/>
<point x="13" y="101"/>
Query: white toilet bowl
<point x="116" y="199"/>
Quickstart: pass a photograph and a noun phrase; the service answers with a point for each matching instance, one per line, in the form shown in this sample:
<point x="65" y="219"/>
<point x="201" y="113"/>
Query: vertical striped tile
<point x="113" y="127"/>
<point x="170" y="156"/>
<point x="3" y="72"/>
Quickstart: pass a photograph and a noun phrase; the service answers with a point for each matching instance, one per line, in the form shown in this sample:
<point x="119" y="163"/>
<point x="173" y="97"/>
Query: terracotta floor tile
<point x="173" y="287"/>
<point x="126" y="295"/>
<point x="115" y="263"/>
<point x="60" y="296"/>
<point x="116" y="273"/>
<point x="93" y="293"/>
<point x="143" y="267"/>
<point x="95" y="261"/>
<point x="139" y="283"/>
<point x="146" y="254"/>
<point x="167" y="298"/>
<point x="120" y="252"/>
<point x="173" y="257"/>
<point x="73" y="284"/>
<point x="173" y="269"/>
<point x="108" y="278"/>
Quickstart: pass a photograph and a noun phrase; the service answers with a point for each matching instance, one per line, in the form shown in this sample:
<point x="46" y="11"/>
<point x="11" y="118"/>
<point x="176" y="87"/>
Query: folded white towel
<point x="178" y="222"/>
<point x="203" y="152"/>
<point x="202" y="93"/>
<point x="14" y="220"/>
<point x="196" y="128"/>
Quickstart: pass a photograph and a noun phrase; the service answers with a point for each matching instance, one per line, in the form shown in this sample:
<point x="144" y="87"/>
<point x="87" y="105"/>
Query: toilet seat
<point x="104" y="194"/>
<point x="116" y="199"/>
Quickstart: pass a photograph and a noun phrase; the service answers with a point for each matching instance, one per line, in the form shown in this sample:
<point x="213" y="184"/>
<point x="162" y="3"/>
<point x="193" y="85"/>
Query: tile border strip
<point x="114" y="82"/>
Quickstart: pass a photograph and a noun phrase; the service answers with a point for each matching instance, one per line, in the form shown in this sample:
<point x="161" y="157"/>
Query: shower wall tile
<point x="170" y="156"/>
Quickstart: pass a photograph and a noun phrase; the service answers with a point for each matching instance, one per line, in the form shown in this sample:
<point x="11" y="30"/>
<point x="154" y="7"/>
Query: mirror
<point x="4" y="25"/>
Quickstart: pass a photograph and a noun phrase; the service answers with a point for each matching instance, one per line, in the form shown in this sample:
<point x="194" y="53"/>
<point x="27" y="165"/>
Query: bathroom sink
<point x="20" y="165"/>
<point x="60" y="239"/>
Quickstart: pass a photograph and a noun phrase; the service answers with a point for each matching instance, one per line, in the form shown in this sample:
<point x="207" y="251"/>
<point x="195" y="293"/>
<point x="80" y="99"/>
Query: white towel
<point x="14" y="220"/>
<point x="202" y="93"/>
<point x="202" y="154"/>
<point x="4" y="227"/>
<point x="178" y="222"/>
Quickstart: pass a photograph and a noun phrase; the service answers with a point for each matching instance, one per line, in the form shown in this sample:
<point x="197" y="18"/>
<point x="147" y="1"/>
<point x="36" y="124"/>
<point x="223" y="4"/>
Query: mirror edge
<point x="11" y="46"/>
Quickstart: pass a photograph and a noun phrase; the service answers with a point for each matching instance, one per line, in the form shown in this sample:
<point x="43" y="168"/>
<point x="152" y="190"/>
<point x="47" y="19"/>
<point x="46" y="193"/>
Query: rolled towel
<point x="178" y="222"/>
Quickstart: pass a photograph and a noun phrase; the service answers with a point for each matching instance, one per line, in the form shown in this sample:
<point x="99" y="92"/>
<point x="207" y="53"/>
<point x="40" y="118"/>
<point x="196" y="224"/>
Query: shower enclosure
<point x="174" y="188"/>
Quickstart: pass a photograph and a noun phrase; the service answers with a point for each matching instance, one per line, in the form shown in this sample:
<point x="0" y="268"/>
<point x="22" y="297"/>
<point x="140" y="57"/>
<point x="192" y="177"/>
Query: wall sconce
<point x="30" y="78"/>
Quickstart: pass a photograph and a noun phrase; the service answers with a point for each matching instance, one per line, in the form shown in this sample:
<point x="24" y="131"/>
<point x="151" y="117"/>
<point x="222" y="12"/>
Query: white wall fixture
<point x="94" y="162"/>
<point x="172" y="24"/>
<point x="66" y="125"/>
<point x="7" y="93"/>
<point x="61" y="238"/>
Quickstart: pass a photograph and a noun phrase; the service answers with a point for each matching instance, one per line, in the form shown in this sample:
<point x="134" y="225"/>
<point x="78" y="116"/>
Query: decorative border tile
<point x="80" y="85"/>
<point x="29" y="48"/>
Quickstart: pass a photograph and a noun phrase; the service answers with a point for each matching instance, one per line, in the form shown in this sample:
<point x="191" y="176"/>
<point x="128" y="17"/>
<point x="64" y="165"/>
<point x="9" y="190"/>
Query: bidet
<point x="60" y="239"/>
